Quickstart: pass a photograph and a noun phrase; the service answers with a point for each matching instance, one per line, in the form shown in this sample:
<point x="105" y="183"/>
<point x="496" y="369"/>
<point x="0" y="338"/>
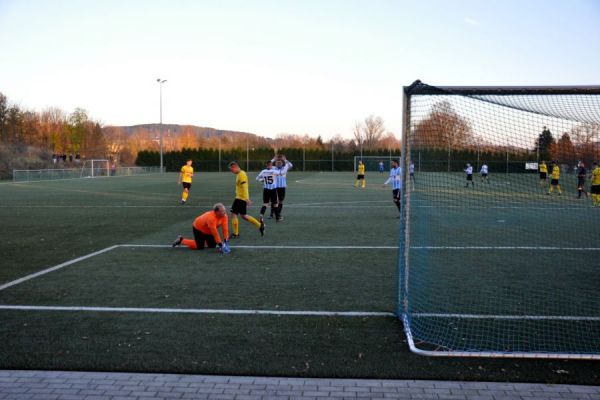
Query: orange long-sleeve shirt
<point x="209" y="222"/>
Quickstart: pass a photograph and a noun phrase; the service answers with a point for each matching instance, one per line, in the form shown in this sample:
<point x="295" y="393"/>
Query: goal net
<point x="500" y="238"/>
<point x="95" y="168"/>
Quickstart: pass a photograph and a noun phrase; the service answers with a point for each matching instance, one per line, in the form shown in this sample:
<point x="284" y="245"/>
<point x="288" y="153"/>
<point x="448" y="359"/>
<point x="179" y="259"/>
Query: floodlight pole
<point x="160" y="137"/>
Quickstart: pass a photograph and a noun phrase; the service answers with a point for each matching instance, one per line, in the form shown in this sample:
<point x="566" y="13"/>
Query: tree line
<point x="444" y="134"/>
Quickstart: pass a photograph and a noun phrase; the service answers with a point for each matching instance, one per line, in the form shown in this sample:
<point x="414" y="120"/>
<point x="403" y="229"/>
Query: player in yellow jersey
<point x="185" y="179"/>
<point x="595" y="190"/>
<point x="555" y="177"/>
<point x="242" y="200"/>
<point x="360" y="176"/>
<point x="543" y="169"/>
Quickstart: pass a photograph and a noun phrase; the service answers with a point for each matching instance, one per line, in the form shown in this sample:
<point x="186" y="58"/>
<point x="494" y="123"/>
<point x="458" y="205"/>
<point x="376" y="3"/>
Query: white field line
<point x="201" y="311"/>
<point x="252" y="312"/>
<point x="56" y="267"/>
<point x="509" y="317"/>
<point x="276" y="247"/>
<point x="542" y="248"/>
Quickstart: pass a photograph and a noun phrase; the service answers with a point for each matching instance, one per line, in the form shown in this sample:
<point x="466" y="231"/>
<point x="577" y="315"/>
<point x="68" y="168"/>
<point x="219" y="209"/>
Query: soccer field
<point x="315" y="296"/>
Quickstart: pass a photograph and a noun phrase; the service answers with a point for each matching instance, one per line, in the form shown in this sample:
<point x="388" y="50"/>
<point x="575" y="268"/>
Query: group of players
<point x="205" y="227"/>
<point x="582" y="175"/>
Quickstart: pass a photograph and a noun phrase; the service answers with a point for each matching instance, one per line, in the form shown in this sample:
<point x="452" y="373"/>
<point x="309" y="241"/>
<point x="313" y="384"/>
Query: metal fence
<point x="35" y="175"/>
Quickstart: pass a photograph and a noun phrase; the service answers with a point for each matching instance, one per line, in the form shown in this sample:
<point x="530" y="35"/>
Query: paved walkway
<point x="49" y="385"/>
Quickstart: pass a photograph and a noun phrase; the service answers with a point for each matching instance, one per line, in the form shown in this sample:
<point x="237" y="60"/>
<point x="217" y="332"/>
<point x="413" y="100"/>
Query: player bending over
<point x="360" y="176"/>
<point x="283" y="165"/>
<point x="206" y="233"/>
<point x="396" y="179"/>
<point x="242" y="200"/>
<point x="469" y="172"/>
<point x="484" y="173"/>
<point x="595" y="189"/>
<point x="185" y="179"/>
<point x="268" y="177"/>
<point x="555" y="177"/>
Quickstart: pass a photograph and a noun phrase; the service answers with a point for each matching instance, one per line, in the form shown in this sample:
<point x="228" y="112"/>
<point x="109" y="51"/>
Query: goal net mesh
<point x="496" y="259"/>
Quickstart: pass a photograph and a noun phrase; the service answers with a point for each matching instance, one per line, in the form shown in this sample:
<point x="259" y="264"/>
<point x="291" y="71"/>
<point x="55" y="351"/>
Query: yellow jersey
<point x="596" y="176"/>
<point x="555" y="172"/>
<point x="186" y="174"/>
<point x="241" y="186"/>
<point x="544" y="168"/>
<point x="361" y="169"/>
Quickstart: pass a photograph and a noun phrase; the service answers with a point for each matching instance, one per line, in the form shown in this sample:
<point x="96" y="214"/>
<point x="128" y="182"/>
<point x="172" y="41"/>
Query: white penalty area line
<point x="541" y="248"/>
<point x="201" y="311"/>
<point x="507" y="317"/>
<point x="277" y="247"/>
<point x="78" y="259"/>
<point x="56" y="267"/>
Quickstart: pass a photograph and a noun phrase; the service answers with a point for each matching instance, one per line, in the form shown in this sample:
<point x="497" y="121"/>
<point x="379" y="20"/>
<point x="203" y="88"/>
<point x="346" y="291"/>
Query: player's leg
<point x="280" y="199"/>
<point x="235" y="222"/>
<point x="558" y="189"/>
<point x="396" y="196"/>
<point x="266" y="200"/>
<point x="275" y="204"/>
<point x="186" y="192"/>
<point x="357" y="181"/>
<point x="364" y="182"/>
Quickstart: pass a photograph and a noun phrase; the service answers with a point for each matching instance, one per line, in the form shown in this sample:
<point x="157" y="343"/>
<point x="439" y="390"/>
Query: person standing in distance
<point x="185" y="179"/>
<point x="396" y="179"/>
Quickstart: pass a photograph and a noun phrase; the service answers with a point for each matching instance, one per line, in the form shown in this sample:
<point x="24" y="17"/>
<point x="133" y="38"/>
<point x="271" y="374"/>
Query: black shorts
<point x="580" y="182"/>
<point x="543" y="175"/>
<point x="595" y="189"/>
<point x="469" y="177"/>
<point x="554" y="182"/>
<point x="270" y="196"/>
<point x="396" y="194"/>
<point x="484" y="175"/>
<point x="186" y="185"/>
<point x="360" y="177"/>
<point x="202" y="238"/>
<point x="280" y="194"/>
<point x="239" y="207"/>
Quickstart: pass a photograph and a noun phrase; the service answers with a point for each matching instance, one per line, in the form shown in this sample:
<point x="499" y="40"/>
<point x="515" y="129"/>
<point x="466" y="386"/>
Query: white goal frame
<point x="374" y="160"/>
<point x="96" y="165"/>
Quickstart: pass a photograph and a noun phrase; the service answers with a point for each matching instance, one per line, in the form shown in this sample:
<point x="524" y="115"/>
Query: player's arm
<point x="389" y="179"/>
<point x="260" y="176"/>
<point x="225" y="227"/>
<point x="180" y="177"/>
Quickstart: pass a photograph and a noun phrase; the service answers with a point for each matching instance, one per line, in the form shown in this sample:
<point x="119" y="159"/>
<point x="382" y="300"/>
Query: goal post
<point x="499" y="238"/>
<point x="95" y="168"/>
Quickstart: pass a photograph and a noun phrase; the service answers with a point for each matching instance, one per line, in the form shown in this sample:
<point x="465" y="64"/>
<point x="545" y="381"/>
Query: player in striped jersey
<point x="484" y="173"/>
<point x="283" y="165"/>
<point x="469" y="172"/>
<point x="396" y="179"/>
<point x="268" y="177"/>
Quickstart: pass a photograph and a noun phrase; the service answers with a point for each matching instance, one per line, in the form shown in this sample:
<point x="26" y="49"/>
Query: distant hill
<point x="176" y="130"/>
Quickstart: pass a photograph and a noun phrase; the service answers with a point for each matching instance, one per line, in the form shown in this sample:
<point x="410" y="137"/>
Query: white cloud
<point x="472" y="21"/>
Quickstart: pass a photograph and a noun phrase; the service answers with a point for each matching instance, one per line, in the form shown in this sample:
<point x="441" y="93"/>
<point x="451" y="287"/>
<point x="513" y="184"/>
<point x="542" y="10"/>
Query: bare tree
<point x="359" y="137"/>
<point x="373" y="131"/>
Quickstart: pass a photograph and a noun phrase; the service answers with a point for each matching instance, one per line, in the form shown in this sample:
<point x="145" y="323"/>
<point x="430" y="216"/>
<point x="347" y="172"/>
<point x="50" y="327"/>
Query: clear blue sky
<point x="280" y="66"/>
